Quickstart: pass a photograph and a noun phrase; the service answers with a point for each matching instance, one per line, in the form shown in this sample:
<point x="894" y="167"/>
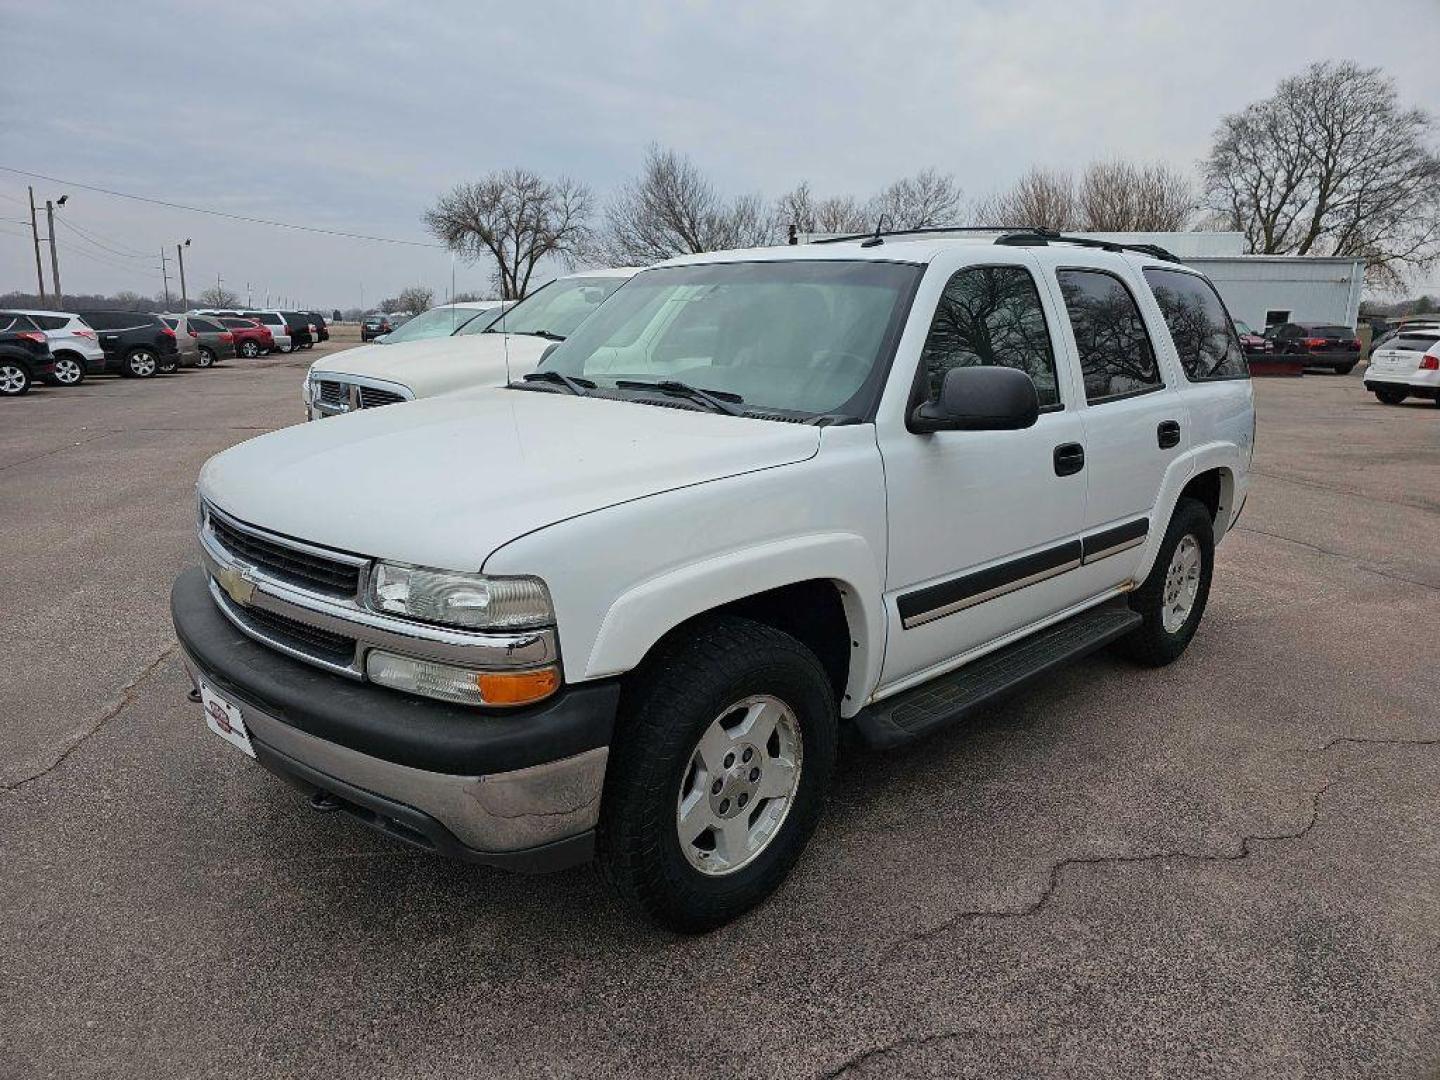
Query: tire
<point x="69" y="370"/>
<point x="14" y="379"/>
<point x="249" y="349"/>
<point x="1391" y="395"/>
<point x="140" y="364"/>
<point x="207" y="358"/>
<point x="170" y="366"/>
<point x="1345" y="369"/>
<point x="747" y="673"/>
<point x="1172" y="599"/>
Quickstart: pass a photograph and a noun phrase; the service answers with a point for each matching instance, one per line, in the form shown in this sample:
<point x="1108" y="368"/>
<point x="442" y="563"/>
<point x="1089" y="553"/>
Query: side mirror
<point x="980" y="399"/>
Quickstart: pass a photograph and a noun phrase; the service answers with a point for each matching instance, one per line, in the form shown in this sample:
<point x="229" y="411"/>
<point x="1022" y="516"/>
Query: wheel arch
<point x="1213" y="475"/>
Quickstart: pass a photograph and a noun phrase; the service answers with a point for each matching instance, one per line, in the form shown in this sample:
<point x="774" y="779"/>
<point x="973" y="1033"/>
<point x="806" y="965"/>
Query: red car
<point x="252" y="338"/>
<point x="1254" y="344"/>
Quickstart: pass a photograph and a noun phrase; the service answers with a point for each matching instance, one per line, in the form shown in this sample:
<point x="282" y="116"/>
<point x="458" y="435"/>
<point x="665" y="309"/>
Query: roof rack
<point x="1041" y="237"/>
<point x="1010" y="236"/>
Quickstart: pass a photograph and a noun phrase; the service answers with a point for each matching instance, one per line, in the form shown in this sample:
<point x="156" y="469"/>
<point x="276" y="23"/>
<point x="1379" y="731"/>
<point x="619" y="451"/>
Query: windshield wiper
<point x="578" y="387"/>
<point x="718" y="400"/>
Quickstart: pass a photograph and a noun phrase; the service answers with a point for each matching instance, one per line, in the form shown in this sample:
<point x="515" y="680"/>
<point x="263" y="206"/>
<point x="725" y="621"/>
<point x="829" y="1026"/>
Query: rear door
<point x="1135" y="421"/>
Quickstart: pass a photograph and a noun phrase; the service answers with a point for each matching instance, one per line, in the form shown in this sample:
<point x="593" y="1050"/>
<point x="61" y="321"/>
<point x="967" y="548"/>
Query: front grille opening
<point x="334" y="394"/>
<point x="371" y="398"/>
<point x="298" y="567"/>
<point x="311" y="640"/>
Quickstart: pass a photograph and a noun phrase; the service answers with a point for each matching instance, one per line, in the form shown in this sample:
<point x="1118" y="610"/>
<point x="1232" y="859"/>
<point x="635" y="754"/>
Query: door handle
<point x="1069" y="458"/>
<point x="1168" y="434"/>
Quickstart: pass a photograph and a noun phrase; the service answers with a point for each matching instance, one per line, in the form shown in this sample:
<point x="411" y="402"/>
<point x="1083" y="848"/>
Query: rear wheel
<point x="207" y="358"/>
<point x="14" y="379"/>
<point x="69" y="371"/>
<point x="169" y="365"/>
<point x="1345" y="369"/>
<point x="718" y="773"/>
<point x="1391" y="395"/>
<point x="1172" y="599"/>
<point x="250" y="349"/>
<point x="141" y="363"/>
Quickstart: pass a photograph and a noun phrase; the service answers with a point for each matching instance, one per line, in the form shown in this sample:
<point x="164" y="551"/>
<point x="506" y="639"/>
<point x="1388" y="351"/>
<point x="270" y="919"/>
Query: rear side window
<point x="1198" y="325"/>
<point x="1413" y="342"/>
<point x="51" y="322"/>
<point x="205" y="326"/>
<point x="991" y="316"/>
<point x="1116" y="356"/>
<point x="8" y="323"/>
<point x="271" y="320"/>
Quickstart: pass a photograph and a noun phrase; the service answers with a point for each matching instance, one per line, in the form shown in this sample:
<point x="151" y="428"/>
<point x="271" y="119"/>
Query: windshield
<point x="1242" y="327"/>
<point x="435" y="323"/>
<point x="810" y="337"/>
<point x="557" y="308"/>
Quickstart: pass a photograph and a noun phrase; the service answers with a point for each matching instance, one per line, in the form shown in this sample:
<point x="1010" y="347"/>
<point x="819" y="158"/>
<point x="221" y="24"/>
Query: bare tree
<point x="517" y="218"/>
<point x="672" y="209"/>
<point x="1331" y="164"/>
<point x="416" y="298"/>
<point x="833" y="214"/>
<point x="927" y="199"/>
<point x="1119" y="196"/>
<point x="217" y="296"/>
<point x="1042" y="198"/>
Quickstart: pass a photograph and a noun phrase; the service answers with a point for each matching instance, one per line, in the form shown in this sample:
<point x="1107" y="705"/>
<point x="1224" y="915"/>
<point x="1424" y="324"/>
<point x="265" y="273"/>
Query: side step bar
<point x="952" y="697"/>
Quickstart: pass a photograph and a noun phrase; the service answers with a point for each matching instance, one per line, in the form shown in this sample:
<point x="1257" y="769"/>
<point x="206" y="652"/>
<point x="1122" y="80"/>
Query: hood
<point x="440" y="364"/>
<point x="444" y="482"/>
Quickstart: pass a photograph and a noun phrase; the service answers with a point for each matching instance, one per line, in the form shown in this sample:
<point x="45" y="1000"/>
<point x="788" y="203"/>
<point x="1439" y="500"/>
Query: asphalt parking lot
<point x="1230" y="867"/>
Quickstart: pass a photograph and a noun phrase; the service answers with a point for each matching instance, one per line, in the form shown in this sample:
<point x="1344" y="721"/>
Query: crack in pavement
<point x="1427" y="507"/>
<point x="1244" y="851"/>
<point x="1357" y="563"/>
<point x="127" y="695"/>
<point x="57" y="450"/>
<point x="910" y="1042"/>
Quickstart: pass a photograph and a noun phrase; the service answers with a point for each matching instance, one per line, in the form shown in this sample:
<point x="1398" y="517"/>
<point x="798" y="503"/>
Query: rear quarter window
<point x="1413" y="342"/>
<point x="1199" y="325"/>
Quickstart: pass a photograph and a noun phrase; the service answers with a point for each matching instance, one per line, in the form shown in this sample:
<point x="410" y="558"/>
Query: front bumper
<point x="519" y="789"/>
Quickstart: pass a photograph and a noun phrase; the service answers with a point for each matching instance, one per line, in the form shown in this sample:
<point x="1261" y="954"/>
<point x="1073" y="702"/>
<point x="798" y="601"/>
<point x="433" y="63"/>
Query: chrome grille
<point x="302" y="567"/>
<point x="334" y="394"/>
<point x="372" y="397"/>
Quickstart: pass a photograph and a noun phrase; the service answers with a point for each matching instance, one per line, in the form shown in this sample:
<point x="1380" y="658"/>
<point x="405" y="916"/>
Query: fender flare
<point x="1206" y="457"/>
<point x="644" y="613"/>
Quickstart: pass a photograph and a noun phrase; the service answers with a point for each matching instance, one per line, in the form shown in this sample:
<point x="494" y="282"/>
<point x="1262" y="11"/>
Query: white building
<point x="1260" y="290"/>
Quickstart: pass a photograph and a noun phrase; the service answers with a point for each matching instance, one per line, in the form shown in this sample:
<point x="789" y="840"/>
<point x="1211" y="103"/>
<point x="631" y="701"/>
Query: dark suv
<point x="1320" y="344"/>
<point x="301" y="334"/>
<point x="322" y="332"/>
<point x="135" y="343"/>
<point x="24" y="355"/>
<point x="374" y="326"/>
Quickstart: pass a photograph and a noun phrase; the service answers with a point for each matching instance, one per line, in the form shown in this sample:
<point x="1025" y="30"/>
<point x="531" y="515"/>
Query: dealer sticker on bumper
<point x="224" y="719"/>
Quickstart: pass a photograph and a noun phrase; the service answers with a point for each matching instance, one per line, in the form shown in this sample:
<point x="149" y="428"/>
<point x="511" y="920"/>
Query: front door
<point x="983" y="525"/>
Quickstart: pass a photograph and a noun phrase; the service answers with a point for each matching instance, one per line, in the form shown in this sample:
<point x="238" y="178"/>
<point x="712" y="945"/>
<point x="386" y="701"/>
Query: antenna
<point x="875" y="241"/>
<point x="504" y="335"/>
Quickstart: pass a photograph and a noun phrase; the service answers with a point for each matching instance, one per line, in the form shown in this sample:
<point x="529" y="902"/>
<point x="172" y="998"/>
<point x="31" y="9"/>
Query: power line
<point x="132" y="254"/>
<point x="221" y="213"/>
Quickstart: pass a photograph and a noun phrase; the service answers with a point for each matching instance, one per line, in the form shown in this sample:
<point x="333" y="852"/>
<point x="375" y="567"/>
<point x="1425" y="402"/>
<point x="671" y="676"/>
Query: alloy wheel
<point x="68" y="371"/>
<point x="1182" y="584"/>
<point x="739" y="785"/>
<point x="12" y="379"/>
<point x="142" y="364"/>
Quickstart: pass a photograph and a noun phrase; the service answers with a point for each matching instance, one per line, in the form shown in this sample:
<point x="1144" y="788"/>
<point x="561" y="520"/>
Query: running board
<point x="954" y="696"/>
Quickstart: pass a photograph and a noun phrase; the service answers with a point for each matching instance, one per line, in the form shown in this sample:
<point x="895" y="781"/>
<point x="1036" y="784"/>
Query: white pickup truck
<point x="626" y="606"/>
<point x="480" y="352"/>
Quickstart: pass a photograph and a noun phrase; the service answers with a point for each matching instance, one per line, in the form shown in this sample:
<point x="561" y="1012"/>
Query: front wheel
<point x="207" y="358"/>
<point x="1171" y="602"/>
<point x="69" y="371"/>
<point x="14" y="380"/>
<point x="1391" y="395"/>
<point x="718" y="773"/>
<point x="250" y="349"/>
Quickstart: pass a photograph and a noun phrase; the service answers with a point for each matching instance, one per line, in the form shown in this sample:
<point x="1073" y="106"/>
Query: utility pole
<point x="35" y="235"/>
<point x="249" y="303"/>
<point x="184" y="294"/>
<point x="54" y="258"/>
<point x="165" y="277"/>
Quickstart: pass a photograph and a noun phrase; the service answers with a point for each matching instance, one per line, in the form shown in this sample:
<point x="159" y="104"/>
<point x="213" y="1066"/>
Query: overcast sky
<point x="354" y="116"/>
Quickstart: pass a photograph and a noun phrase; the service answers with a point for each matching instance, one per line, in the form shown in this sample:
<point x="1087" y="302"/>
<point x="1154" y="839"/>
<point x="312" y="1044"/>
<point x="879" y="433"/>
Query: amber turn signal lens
<point x="517" y="687"/>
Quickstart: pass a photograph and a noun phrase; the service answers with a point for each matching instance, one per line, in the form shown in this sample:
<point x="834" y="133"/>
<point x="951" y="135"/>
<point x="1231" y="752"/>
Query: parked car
<point x="1254" y="344"/>
<point x="136" y="343"/>
<point x="302" y="332"/>
<point x="74" y="346"/>
<point x="374" y="326"/>
<point x="1321" y="344"/>
<point x="217" y="341"/>
<point x="1410" y="326"/>
<point x="1407" y="365"/>
<point x="24" y="355"/>
<point x="757" y="497"/>
<point x="317" y="322"/>
<point x="276" y="323"/>
<point x="486" y="352"/>
<point x="445" y="321"/>
<point x="187" y="340"/>
<point x="252" y="337"/>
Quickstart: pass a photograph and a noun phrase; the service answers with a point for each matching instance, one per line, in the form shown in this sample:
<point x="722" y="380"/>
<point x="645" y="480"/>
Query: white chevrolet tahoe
<point x="626" y="606"/>
<point x="481" y="352"/>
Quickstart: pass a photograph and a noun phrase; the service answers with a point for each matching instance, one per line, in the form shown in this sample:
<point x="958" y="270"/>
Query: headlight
<point x="307" y="388"/>
<point x="470" y="601"/>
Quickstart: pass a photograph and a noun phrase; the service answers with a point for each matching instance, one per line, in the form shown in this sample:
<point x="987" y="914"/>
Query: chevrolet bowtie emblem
<point x="239" y="587"/>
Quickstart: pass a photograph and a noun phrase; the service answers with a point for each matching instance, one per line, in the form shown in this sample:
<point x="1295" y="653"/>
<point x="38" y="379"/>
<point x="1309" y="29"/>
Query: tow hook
<point x="322" y="802"/>
<point x="193" y="695"/>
